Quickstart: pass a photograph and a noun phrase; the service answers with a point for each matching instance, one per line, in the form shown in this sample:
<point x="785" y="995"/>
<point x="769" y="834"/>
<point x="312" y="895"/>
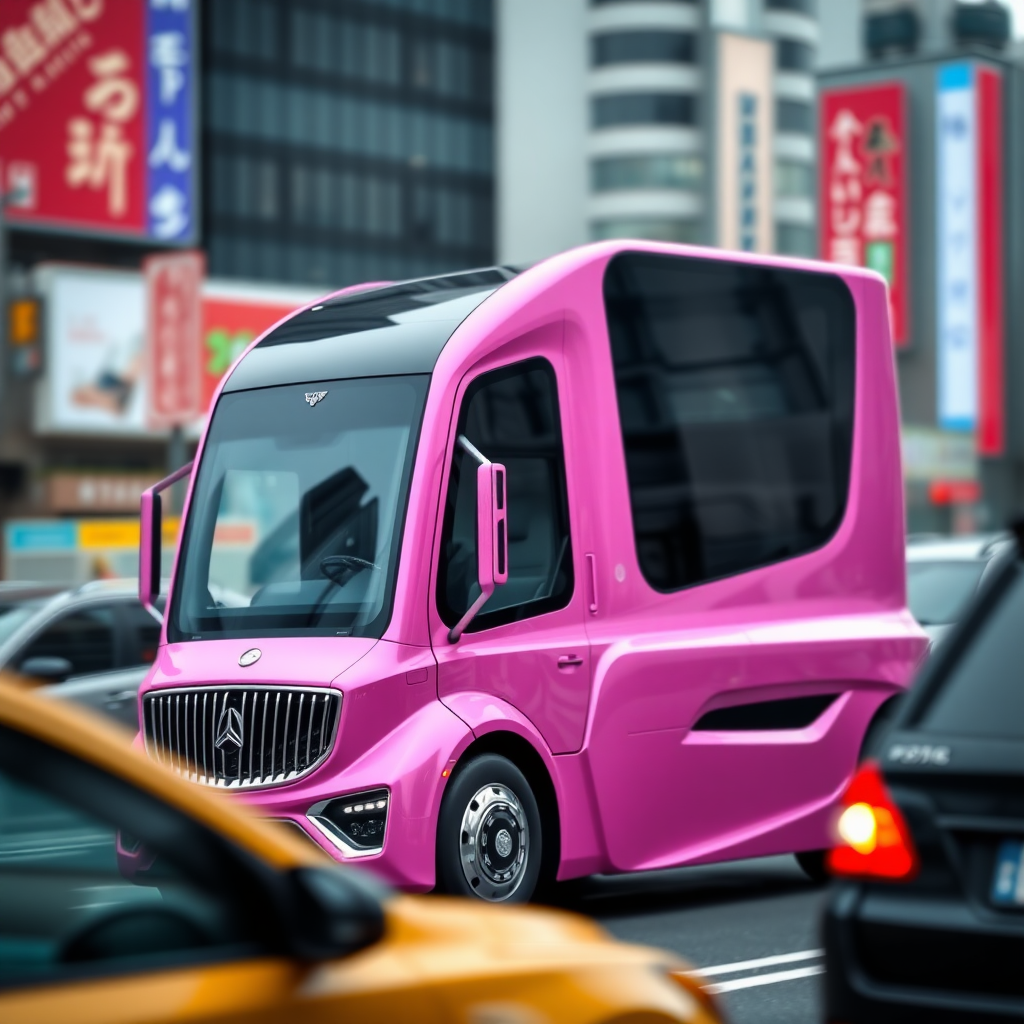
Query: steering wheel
<point x="340" y="569"/>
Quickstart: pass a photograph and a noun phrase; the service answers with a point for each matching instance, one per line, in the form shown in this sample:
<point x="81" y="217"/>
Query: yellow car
<point x="127" y="894"/>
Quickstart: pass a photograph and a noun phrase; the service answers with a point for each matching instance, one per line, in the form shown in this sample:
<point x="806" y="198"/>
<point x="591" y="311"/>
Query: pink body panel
<point x="613" y="731"/>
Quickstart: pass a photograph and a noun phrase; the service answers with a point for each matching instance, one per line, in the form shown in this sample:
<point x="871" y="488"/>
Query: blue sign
<point x="41" y="535"/>
<point x="956" y="247"/>
<point x="170" y="80"/>
<point x="748" y="171"/>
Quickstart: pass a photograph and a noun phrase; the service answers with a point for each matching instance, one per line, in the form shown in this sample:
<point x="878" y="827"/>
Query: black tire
<point x="813" y="864"/>
<point x="485" y="807"/>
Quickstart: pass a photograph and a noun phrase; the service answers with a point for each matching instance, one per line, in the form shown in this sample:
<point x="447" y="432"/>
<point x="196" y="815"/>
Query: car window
<point x="511" y="416"/>
<point x="982" y="694"/>
<point x="79" y="894"/>
<point x="143" y="635"/>
<point x="84" y="636"/>
<point x="14" y="616"/>
<point x="938" y="592"/>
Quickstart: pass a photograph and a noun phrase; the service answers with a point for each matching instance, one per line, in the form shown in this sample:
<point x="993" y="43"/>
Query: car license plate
<point x="1008" y="881"/>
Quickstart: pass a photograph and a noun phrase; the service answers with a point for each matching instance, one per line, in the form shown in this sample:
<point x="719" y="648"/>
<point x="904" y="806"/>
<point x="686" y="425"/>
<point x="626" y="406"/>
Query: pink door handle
<point x="569" y="660"/>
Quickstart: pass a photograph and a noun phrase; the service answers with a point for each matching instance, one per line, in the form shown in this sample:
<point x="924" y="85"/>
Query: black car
<point x="927" y="922"/>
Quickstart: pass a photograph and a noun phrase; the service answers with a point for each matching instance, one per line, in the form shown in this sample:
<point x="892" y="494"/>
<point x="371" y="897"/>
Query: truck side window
<point x="511" y="415"/>
<point x="735" y="392"/>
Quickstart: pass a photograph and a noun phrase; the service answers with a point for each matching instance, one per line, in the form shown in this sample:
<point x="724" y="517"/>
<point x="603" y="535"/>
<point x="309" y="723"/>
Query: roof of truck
<point x="385" y="329"/>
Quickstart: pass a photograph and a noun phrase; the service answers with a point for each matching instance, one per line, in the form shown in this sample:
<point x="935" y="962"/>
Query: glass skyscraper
<point x="347" y="140"/>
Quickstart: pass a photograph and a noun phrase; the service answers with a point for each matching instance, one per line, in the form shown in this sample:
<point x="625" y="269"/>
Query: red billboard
<point x="863" y="204"/>
<point x="96" y="116"/>
<point x="991" y="310"/>
<point x="173" y="313"/>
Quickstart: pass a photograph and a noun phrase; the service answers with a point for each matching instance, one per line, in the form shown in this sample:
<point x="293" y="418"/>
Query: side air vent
<point x="792" y="713"/>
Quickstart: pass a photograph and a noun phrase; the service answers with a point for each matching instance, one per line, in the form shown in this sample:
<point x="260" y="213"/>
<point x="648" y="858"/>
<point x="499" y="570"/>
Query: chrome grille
<point x="241" y="736"/>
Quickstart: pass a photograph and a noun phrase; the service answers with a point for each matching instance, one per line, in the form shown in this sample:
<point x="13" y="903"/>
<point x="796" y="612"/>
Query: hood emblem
<point x="230" y="730"/>
<point x="315" y="396"/>
<point x="250" y="657"/>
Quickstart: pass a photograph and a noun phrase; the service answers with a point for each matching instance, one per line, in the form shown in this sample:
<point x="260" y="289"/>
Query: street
<point x="751" y="926"/>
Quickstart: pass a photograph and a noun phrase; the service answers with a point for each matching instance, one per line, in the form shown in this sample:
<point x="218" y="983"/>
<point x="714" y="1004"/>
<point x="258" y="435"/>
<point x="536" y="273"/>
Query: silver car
<point x="93" y="644"/>
<point x="944" y="573"/>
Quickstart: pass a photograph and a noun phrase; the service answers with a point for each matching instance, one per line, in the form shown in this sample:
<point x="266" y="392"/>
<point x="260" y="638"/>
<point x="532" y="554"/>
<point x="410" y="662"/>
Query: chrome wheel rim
<point x="494" y="843"/>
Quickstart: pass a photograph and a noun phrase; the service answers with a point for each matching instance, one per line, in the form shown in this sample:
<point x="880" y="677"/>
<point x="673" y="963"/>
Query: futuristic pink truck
<point x="495" y="578"/>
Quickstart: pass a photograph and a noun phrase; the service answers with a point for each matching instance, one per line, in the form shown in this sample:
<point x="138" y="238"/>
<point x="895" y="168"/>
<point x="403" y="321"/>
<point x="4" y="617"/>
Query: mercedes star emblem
<point x="250" y="657"/>
<point x="229" y="730"/>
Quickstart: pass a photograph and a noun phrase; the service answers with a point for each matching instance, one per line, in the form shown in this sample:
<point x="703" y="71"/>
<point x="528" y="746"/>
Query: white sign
<point x="957" y="284"/>
<point x="94" y="381"/>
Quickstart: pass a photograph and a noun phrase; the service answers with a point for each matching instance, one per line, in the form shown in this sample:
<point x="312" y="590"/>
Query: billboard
<point x="173" y="284"/>
<point x="969" y="252"/>
<point x="862" y="187"/>
<point x="97" y="116"/>
<point x="95" y="379"/>
<point x="745" y="117"/>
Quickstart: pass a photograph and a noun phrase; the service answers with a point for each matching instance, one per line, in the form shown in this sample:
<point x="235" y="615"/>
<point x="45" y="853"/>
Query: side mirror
<point x="53" y="670"/>
<point x="151" y="540"/>
<point x="491" y="534"/>
<point x="329" y="914"/>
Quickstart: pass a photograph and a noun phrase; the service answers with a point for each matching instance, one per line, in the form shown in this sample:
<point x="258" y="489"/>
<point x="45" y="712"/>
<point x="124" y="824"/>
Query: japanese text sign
<point x="173" y="323"/>
<point x="863" y="203"/>
<point x="969" y="256"/>
<point x="97" y="116"/>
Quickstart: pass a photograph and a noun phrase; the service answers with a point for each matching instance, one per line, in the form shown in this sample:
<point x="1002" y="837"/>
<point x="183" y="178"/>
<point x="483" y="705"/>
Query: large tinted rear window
<point x="983" y="692"/>
<point x="735" y="391"/>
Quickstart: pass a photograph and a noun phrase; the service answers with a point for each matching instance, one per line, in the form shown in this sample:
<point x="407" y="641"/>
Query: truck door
<point x="731" y="635"/>
<point x="527" y="645"/>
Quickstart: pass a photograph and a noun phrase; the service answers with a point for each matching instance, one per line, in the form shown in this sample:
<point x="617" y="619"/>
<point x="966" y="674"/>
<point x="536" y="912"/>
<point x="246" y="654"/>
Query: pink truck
<point x="500" y="577"/>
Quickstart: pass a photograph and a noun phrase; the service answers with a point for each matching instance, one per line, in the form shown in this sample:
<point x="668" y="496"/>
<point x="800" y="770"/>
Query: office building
<point x="347" y="140"/>
<point x="665" y="119"/>
<point x="304" y="145"/>
<point x="927" y="98"/>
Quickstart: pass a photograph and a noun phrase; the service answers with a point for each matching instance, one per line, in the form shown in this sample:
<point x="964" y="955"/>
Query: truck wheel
<point x="489" y="833"/>
<point x="813" y="864"/>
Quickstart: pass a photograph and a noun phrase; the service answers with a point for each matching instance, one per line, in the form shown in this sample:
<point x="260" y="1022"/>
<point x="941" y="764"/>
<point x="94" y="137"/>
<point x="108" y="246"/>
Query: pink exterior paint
<point x="605" y="689"/>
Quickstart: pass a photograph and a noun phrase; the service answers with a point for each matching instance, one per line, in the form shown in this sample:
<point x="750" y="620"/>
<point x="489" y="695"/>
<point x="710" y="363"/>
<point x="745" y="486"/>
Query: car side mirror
<point x="330" y="915"/>
<point x="151" y="539"/>
<point x="52" y="669"/>
<point x="491" y="533"/>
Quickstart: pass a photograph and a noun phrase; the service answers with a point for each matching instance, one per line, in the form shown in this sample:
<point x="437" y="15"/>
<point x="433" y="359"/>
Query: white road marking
<point x="765" y="979"/>
<point x="764" y="961"/>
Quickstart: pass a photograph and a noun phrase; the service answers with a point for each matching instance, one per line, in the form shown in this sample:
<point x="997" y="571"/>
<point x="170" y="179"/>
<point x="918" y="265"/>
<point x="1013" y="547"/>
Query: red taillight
<point x="872" y="839"/>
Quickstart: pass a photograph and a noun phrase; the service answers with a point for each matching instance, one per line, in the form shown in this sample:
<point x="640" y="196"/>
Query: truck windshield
<point x="295" y="518"/>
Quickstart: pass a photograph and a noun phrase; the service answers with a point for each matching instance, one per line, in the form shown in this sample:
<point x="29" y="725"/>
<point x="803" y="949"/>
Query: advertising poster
<point x="97" y="116"/>
<point x="173" y="301"/>
<point x="862" y="187"/>
<point x="95" y="380"/>
<point x="232" y="317"/>
<point x="969" y="256"/>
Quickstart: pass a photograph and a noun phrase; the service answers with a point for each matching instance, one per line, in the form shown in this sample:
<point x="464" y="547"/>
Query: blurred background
<point x="176" y="175"/>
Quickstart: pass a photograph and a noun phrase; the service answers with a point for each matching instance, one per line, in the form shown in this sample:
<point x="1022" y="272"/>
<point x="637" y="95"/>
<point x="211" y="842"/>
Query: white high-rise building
<point x="682" y="120"/>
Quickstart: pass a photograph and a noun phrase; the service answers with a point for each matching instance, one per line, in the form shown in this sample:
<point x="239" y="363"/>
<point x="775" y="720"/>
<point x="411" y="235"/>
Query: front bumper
<point x="897" y="957"/>
<point x="408" y="764"/>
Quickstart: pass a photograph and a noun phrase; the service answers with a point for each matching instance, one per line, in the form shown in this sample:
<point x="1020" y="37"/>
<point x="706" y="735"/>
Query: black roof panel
<point x="398" y="328"/>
